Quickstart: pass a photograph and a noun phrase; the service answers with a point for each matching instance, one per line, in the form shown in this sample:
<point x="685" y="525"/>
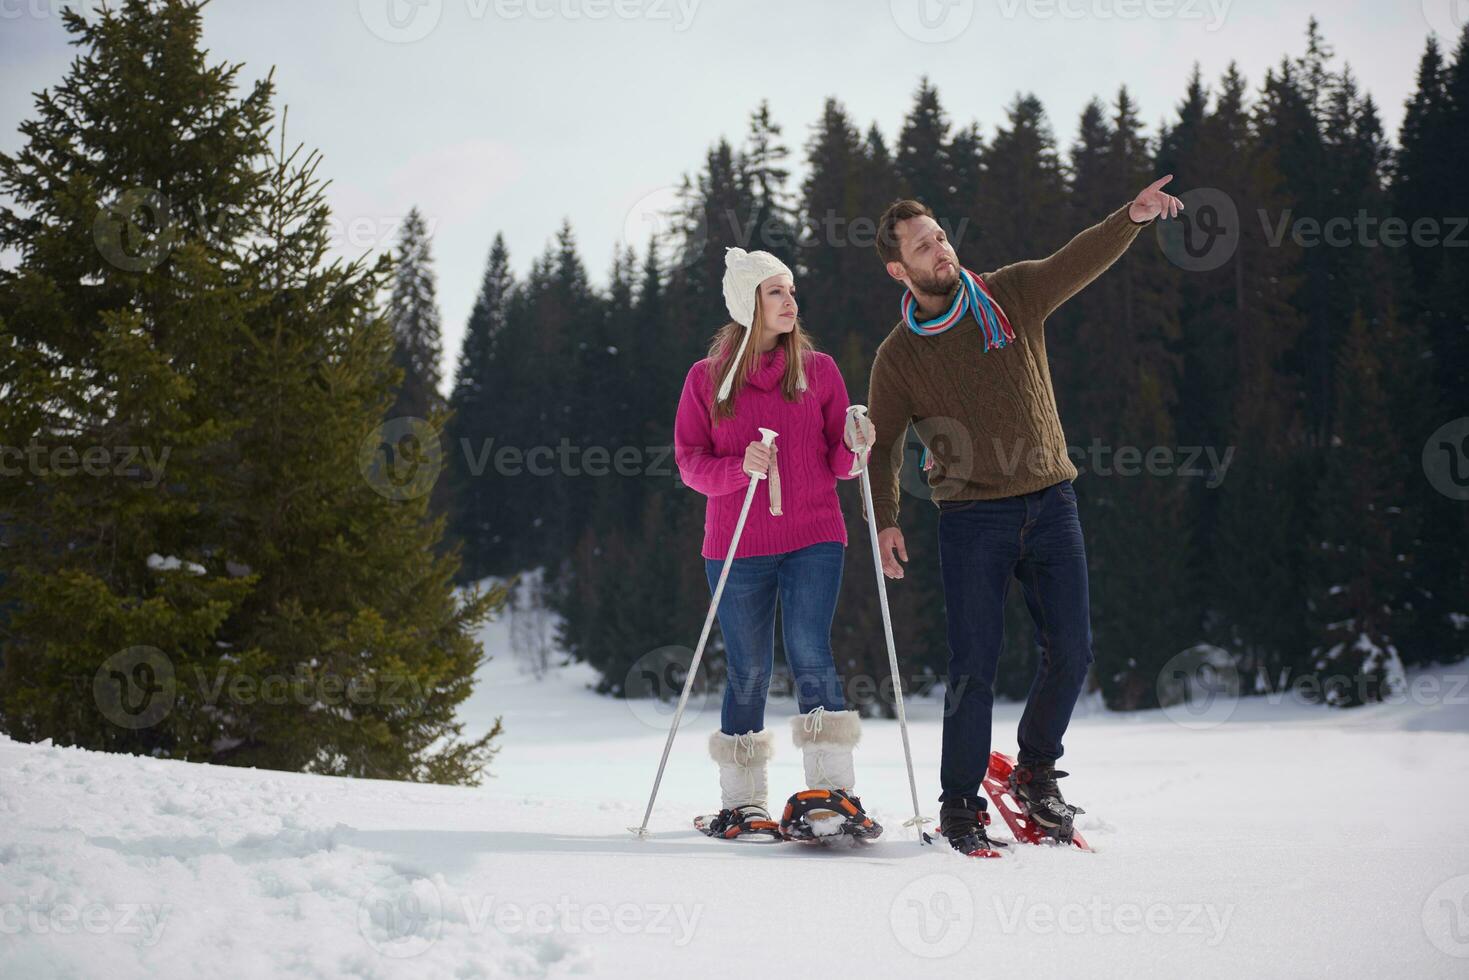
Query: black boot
<point x="1034" y="787"/>
<point x="962" y="822"/>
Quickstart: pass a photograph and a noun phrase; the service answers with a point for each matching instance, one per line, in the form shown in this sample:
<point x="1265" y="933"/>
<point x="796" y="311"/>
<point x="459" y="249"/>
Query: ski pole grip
<point x="767" y="438"/>
<point x="860" y="412"/>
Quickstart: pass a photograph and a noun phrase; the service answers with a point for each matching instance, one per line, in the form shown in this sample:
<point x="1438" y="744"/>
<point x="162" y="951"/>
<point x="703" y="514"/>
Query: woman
<point x="762" y="371"/>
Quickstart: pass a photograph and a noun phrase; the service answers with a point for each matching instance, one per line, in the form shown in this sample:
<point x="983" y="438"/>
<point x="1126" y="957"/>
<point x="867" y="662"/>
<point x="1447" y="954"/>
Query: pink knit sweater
<point x="810" y="455"/>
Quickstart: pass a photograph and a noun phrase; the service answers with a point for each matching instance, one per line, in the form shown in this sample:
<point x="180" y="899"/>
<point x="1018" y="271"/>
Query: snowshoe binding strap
<point x="740" y="823"/>
<point x="847" y="816"/>
<point x="1036" y="790"/>
<point x="962" y="823"/>
<point x="1023" y="816"/>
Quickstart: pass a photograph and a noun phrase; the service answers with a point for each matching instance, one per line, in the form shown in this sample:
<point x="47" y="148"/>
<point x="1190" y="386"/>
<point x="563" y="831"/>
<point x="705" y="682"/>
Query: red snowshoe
<point x="1028" y="820"/>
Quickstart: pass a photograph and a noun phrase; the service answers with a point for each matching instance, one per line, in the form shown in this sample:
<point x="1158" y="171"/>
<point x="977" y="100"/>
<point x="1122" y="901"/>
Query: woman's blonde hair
<point x="797" y="345"/>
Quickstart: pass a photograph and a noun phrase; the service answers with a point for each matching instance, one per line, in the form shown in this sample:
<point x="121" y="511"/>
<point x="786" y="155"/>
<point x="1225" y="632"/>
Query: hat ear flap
<point x="736" y="272"/>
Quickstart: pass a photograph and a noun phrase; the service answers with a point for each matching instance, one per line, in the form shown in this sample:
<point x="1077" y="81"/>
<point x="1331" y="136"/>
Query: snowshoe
<point x="1032" y="805"/>
<point x="750" y="823"/>
<point x="826" y="814"/>
<point x="962" y="823"/>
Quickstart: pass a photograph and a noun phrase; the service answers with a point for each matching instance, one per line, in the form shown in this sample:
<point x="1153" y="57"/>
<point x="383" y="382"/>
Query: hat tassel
<point x="734" y="365"/>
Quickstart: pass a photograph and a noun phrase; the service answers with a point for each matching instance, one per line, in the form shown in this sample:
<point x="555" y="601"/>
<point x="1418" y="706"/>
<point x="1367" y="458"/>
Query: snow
<point x="1267" y="839"/>
<point x="169" y="563"/>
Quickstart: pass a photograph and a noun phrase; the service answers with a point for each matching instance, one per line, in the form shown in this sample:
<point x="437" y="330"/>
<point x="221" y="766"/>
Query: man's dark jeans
<point x="1036" y="537"/>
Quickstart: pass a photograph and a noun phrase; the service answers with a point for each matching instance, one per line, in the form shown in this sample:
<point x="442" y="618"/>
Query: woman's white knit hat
<point x="743" y="274"/>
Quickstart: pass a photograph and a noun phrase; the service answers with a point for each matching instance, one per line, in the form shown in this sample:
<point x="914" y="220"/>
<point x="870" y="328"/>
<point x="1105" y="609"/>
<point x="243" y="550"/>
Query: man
<point x="966" y="364"/>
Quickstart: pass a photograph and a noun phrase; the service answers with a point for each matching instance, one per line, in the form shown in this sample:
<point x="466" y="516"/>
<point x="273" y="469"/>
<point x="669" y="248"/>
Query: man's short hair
<point x="887" y="227"/>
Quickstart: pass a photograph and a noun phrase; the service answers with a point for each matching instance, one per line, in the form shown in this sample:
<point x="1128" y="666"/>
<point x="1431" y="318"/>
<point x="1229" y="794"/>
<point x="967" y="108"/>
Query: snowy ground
<point x="1285" y="842"/>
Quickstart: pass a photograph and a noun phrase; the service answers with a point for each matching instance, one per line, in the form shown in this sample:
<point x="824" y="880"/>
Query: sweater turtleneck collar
<point x="769" y="369"/>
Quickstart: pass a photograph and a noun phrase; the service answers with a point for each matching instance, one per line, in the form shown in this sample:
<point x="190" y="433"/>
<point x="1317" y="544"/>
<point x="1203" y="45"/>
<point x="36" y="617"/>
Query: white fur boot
<point x="826" y="739"/>
<point x="743" y="760"/>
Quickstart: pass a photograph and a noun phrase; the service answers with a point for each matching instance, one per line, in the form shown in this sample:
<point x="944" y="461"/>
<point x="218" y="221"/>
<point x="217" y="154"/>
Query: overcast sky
<point x="510" y="115"/>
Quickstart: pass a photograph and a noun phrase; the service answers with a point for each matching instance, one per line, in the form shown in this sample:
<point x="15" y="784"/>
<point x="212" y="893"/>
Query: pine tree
<point x="413" y="311"/>
<point x="1086" y="194"/>
<point x="716" y="212"/>
<point x="875" y="298"/>
<point x="352" y="590"/>
<point x="1357" y="564"/>
<point x="925" y="158"/>
<point x="1421" y="173"/>
<point x="1313" y="68"/>
<point x="832" y="260"/>
<point x="570" y="331"/>
<point x="1361" y="159"/>
<point x="282" y="609"/>
<point x="1420" y="373"/>
<point x="967" y="160"/>
<point x="1243" y="401"/>
<point x="1021" y="207"/>
<point x="1448" y="334"/>
<point x="480" y="375"/>
<point x="552" y="350"/>
<point x="1290" y="133"/>
<point x="619" y="420"/>
<point x="1192" y="148"/>
<point x="1450" y="301"/>
<point x="614" y="620"/>
<point x="657" y="342"/>
<point x="1139" y="544"/>
<point x="117" y="325"/>
<point x="764" y="175"/>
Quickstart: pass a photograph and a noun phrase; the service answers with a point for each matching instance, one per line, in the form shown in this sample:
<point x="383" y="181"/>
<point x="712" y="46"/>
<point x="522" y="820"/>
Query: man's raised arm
<point x="1047" y="283"/>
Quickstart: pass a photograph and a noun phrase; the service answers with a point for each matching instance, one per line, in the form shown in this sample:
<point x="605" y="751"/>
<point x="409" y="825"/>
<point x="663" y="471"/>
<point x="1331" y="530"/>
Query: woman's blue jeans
<point x="806" y="581"/>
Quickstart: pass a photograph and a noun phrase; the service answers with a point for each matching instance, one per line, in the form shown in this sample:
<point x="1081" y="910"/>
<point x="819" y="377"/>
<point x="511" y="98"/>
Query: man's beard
<point x="943" y="284"/>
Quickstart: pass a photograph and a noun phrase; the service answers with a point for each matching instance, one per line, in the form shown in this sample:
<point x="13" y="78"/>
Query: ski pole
<point x="887" y="627"/>
<point x="767" y="437"/>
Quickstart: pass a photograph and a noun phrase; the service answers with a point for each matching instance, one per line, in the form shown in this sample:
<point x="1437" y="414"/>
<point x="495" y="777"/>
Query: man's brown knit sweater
<point x="988" y="419"/>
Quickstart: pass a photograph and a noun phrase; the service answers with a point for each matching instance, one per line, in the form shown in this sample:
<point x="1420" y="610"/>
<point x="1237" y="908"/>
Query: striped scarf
<point x="974" y="298"/>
